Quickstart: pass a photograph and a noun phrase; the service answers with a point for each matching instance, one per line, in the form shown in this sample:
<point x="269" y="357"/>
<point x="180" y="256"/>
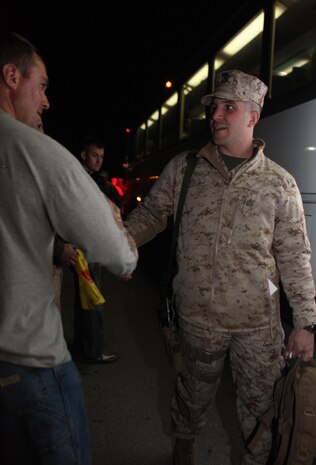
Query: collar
<point x="211" y="154"/>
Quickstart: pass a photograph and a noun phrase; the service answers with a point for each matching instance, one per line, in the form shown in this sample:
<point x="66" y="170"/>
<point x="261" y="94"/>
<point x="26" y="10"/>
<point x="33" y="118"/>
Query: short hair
<point x="17" y="50"/>
<point x="253" y="106"/>
<point x="91" y="140"/>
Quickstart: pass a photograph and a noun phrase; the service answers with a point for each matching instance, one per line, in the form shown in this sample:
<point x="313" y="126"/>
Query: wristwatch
<point x="311" y="328"/>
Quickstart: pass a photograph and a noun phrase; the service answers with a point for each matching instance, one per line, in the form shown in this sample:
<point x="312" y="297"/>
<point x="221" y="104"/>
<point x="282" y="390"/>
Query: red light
<point x="118" y="184"/>
<point x="127" y="130"/>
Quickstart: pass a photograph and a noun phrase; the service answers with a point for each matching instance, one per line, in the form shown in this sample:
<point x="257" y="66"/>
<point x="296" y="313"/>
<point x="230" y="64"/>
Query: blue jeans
<point x="43" y="419"/>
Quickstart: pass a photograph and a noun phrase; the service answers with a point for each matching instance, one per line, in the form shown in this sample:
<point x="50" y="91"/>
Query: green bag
<point x="293" y="416"/>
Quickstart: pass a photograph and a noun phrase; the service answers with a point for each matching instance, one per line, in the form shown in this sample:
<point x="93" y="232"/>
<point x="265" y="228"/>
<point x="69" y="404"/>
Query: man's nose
<point x="45" y="102"/>
<point x="217" y="114"/>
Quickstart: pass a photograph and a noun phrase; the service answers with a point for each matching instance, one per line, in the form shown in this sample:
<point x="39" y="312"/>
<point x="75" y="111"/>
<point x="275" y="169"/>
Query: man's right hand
<point x="69" y="255"/>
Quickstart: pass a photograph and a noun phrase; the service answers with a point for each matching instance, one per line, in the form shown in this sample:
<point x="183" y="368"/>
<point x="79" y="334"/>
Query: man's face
<point x="231" y="123"/>
<point x="30" y="99"/>
<point x="93" y="158"/>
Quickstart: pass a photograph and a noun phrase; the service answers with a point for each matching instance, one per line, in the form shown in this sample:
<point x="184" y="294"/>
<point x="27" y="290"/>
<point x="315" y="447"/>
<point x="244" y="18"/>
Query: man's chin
<point x="216" y="140"/>
<point x="39" y="126"/>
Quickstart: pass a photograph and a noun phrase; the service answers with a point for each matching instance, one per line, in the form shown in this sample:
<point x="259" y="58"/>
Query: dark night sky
<point x="107" y="68"/>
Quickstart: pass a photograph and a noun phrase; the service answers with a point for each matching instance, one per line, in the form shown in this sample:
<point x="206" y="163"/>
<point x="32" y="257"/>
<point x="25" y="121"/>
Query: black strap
<point x="192" y="159"/>
<point x="167" y="314"/>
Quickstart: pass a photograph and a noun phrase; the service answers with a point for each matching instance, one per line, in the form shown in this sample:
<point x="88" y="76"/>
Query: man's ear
<point x="11" y="75"/>
<point x="255" y="116"/>
<point x="83" y="155"/>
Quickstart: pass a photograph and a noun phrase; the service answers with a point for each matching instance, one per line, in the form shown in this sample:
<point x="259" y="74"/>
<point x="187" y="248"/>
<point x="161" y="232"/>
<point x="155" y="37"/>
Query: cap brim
<point x="207" y="99"/>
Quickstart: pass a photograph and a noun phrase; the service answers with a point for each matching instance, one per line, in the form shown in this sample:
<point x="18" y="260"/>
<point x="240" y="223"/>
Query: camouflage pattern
<point x="238" y="230"/>
<point x="256" y="362"/>
<point x="236" y="85"/>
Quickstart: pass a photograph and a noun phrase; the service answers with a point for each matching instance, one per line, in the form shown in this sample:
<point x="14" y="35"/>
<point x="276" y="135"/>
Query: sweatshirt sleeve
<point x="81" y="214"/>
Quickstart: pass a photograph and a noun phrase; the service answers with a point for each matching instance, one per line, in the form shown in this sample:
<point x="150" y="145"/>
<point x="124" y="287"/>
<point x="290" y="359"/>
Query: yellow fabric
<point x="90" y="296"/>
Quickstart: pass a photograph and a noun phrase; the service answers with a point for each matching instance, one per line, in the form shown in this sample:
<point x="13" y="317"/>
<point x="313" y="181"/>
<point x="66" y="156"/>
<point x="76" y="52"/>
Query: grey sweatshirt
<point x="43" y="191"/>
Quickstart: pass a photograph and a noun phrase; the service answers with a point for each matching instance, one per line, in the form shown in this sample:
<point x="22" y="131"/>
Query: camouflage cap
<point x="235" y="85"/>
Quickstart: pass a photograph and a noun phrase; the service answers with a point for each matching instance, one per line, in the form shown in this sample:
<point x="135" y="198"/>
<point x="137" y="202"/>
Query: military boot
<point x="184" y="452"/>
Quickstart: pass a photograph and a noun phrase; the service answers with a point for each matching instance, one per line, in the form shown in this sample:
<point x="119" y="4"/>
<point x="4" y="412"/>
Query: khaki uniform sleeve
<point x="293" y="254"/>
<point x="151" y="217"/>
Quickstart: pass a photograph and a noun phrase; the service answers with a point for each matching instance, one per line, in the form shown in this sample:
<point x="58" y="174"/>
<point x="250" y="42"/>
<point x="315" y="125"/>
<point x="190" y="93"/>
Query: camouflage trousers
<point x="256" y="362"/>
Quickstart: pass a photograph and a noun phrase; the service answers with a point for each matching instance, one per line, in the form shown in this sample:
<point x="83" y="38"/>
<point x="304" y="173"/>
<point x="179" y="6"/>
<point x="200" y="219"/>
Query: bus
<point x="273" y="39"/>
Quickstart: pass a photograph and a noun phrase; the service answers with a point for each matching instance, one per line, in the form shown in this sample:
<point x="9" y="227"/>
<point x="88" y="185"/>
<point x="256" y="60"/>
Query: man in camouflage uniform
<point x="243" y="227"/>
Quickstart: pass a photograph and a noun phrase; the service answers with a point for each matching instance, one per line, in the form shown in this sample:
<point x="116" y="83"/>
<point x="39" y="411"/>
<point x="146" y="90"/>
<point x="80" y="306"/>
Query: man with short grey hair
<point x="242" y="228"/>
<point x="44" y="191"/>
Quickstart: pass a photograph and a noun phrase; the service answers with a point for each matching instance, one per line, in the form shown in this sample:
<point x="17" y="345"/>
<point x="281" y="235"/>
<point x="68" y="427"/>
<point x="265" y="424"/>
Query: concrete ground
<point x="128" y="400"/>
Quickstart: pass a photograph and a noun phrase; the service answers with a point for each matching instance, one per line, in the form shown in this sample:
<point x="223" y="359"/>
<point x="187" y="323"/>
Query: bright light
<point x="171" y="102"/>
<point x="196" y="79"/>
<point x="154" y="117"/>
<point x="168" y="84"/>
<point x="218" y="62"/>
<point x="289" y="68"/>
<point x="248" y="33"/>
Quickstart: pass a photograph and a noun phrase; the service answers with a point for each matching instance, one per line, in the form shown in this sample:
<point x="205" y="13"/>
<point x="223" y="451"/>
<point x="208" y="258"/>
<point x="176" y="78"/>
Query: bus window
<point x="140" y="141"/>
<point x="295" y="47"/>
<point x="243" y="51"/>
<point x="170" y="121"/>
<point x="153" y="133"/>
<point x="194" y="112"/>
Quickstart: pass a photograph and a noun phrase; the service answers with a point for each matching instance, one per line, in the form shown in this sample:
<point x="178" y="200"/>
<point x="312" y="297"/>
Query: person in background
<point x="88" y="324"/>
<point x="242" y="228"/>
<point x="44" y="191"/>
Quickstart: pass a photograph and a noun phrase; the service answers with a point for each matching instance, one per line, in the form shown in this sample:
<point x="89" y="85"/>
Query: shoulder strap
<point x="167" y="313"/>
<point x="192" y="159"/>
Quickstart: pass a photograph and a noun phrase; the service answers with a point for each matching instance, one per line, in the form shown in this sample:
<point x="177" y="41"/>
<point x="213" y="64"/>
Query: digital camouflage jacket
<point x="240" y="231"/>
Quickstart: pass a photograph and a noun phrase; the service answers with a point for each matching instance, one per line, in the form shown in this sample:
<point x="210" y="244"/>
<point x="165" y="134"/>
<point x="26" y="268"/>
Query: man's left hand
<point x="300" y="344"/>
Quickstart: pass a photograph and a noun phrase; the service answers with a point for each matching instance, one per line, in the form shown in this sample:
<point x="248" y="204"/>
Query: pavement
<point x="128" y="400"/>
